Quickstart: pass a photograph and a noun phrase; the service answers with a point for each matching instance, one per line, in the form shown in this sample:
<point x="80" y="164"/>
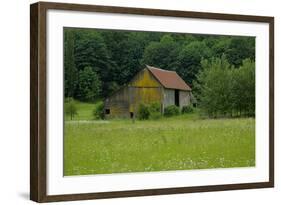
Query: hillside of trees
<point x="220" y="69"/>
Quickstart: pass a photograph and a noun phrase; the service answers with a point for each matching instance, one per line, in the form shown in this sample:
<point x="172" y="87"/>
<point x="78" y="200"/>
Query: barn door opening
<point x="177" y="98"/>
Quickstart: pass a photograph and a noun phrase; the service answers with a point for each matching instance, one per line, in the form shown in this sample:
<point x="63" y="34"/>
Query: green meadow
<point x="85" y="111"/>
<point x="177" y="143"/>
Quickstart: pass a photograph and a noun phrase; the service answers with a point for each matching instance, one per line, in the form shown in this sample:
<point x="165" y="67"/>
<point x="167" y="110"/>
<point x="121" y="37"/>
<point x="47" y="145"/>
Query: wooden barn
<point x="148" y="86"/>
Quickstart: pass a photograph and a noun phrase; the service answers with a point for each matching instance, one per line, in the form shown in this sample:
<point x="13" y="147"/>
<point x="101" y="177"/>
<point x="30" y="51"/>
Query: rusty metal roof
<point x="169" y="79"/>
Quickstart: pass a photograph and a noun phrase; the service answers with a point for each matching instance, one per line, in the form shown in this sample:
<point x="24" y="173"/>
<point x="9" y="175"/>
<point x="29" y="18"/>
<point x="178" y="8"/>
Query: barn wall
<point x="184" y="98"/>
<point x="144" y="88"/>
<point x="169" y="97"/>
<point x="118" y="104"/>
<point x="144" y="95"/>
<point x="144" y="79"/>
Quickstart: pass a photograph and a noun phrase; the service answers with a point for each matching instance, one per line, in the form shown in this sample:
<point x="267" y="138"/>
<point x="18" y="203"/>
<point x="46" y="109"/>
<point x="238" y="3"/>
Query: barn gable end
<point x="144" y="88"/>
<point x="144" y="78"/>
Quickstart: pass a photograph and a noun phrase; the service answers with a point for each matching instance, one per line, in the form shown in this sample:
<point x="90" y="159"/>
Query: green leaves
<point x="70" y="70"/>
<point x="171" y="110"/>
<point x="98" y="112"/>
<point x="143" y="112"/>
<point x="189" y="59"/>
<point x="239" y="49"/>
<point x="244" y="86"/>
<point x="223" y="90"/>
<point x="161" y="54"/>
<point x="70" y="108"/>
<point x="89" y="86"/>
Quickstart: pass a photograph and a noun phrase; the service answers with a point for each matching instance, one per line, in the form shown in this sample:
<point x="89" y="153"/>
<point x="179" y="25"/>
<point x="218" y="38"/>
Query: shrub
<point x="155" y="107"/>
<point x="143" y="112"/>
<point x="171" y="110"/>
<point x="155" y="110"/>
<point x="98" y="112"/>
<point x="70" y="108"/>
<point x="187" y="109"/>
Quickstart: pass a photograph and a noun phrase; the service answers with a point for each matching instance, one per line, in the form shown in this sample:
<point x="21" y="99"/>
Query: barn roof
<point x="169" y="79"/>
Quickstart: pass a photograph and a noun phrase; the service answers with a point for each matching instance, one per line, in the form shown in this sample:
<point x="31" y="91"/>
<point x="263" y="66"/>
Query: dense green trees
<point x="98" y="62"/>
<point x="91" y="50"/>
<point x="89" y="85"/>
<point x="239" y="49"/>
<point x="223" y="90"/>
<point x="162" y="54"/>
<point x="70" y="69"/>
<point x="190" y="57"/>
<point x="244" y="88"/>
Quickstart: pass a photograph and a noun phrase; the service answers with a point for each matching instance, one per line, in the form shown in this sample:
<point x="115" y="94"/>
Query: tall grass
<point x="84" y="111"/>
<point x="177" y="143"/>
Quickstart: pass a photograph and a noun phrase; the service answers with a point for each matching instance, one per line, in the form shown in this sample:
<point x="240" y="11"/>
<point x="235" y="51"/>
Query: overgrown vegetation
<point x="70" y="108"/>
<point x="155" y="110"/>
<point x="223" y="90"/>
<point x="143" y="112"/>
<point x="98" y="111"/>
<point x="171" y="110"/>
<point x="187" y="109"/>
<point x="175" y="143"/>
<point x="185" y="141"/>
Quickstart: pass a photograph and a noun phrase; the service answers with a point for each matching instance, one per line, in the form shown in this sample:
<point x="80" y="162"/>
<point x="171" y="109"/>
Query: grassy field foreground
<point x="177" y="143"/>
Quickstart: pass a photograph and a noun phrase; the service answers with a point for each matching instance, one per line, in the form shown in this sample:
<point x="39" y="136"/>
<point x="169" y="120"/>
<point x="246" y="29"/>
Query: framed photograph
<point x="134" y="102"/>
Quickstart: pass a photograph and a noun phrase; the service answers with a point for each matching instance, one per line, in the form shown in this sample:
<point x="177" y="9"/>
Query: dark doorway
<point x="107" y="111"/>
<point x="177" y="98"/>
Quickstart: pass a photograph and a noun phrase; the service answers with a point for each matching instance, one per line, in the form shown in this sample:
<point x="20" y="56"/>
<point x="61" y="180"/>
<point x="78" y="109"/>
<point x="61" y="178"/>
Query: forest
<point x="219" y="69"/>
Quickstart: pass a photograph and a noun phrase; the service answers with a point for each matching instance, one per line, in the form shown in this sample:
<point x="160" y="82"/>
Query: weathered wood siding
<point x="143" y="95"/>
<point x="144" y="88"/>
<point x="144" y="79"/>
<point x="169" y="97"/>
<point x="118" y="104"/>
<point x="184" y="98"/>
